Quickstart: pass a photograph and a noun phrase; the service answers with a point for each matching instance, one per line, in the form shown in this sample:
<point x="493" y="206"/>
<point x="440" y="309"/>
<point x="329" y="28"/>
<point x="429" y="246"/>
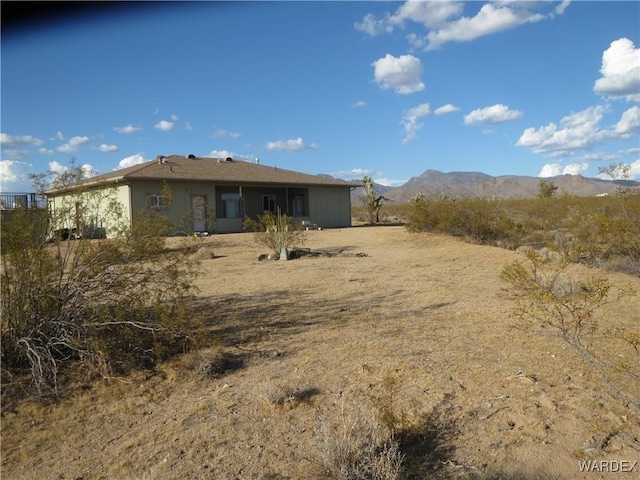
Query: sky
<point x="350" y="88"/>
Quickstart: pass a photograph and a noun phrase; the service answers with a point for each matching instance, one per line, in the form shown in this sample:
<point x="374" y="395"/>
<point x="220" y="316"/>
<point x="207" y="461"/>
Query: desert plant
<point x="116" y="303"/>
<point x="551" y="299"/>
<point x="477" y="219"/>
<point x="277" y="232"/>
<point x="546" y="189"/>
<point x="358" y="448"/>
<point x="371" y="201"/>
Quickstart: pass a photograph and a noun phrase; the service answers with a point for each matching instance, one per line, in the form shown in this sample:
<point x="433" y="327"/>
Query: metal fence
<point x="13" y="201"/>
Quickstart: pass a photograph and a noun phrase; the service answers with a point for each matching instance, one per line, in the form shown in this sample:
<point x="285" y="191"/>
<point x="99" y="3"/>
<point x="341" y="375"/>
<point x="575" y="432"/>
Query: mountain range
<point x="433" y="183"/>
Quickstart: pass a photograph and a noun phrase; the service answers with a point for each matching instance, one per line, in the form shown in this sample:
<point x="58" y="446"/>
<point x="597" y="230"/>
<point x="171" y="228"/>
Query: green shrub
<point x="477" y="219"/>
<point x="276" y="232"/>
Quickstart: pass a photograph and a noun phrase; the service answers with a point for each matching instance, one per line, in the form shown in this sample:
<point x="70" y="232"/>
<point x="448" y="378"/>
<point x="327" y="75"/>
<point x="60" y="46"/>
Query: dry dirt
<point x="420" y="326"/>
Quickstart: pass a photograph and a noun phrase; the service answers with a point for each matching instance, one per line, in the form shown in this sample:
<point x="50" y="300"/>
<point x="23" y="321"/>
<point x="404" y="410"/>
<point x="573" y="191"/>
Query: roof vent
<point x="228" y="159"/>
<point x="191" y="156"/>
<point x="162" y="159"/>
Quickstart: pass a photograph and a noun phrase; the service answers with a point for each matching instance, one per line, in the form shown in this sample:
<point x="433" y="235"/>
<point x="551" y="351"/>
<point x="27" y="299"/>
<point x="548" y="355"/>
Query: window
<point x="157" y="201"/>
<point x="230" y="205"/>
<point x="269" y="203"/>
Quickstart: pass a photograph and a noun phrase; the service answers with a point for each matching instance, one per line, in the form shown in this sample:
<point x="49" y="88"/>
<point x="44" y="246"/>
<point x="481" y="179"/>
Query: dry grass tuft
<point x="358" y="448"/>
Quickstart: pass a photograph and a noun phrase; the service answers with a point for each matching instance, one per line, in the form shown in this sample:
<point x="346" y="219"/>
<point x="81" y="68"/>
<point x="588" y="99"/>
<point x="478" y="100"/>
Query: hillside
<point x="476" y="184"/>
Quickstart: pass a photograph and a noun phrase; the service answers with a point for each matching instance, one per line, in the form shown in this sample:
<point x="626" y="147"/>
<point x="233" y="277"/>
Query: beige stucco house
<point x="200" y="194"/>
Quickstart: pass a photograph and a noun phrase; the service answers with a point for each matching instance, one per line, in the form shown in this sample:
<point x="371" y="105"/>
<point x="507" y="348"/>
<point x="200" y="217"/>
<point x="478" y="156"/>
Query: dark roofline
<point x="137" y="172"/>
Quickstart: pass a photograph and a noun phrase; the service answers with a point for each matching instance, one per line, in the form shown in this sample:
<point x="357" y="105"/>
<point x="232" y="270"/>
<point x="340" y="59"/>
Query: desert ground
<point x="409" y="329"/>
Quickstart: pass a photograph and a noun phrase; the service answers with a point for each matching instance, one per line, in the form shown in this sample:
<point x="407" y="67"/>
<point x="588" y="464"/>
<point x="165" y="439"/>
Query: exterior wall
<point x="90" y="212"/>
<point x="330" y="206"/>
<point x="180" y="209"/>
<point x="326" y="206"/>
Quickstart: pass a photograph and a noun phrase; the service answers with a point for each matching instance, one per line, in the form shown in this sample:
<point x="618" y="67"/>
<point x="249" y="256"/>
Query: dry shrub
<point x="550" y="300"/>
<point x="280" y="394"/>
<point x="480" y="220"/>
<point x="115" y="304"/>
<point x="214" y="363"/>
<point x="358" y="448"/>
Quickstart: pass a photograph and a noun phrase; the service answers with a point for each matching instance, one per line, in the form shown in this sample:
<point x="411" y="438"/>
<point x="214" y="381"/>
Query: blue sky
<point x="385" y="89"/>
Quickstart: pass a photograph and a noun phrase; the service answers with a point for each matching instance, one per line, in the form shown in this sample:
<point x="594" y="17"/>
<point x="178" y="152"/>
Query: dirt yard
<point x="418" y="327"/>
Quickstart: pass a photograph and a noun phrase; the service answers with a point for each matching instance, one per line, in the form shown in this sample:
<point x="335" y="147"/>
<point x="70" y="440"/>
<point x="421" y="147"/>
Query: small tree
<point x="277" y="232"/>
<point x="371" y="201"/>
<point x="546" y="189"/>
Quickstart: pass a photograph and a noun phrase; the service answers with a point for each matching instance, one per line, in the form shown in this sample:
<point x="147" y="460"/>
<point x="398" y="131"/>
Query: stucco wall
<point x="92" y="211"/>
<point x="179" y="210"/>
<point x="330" y="206"/>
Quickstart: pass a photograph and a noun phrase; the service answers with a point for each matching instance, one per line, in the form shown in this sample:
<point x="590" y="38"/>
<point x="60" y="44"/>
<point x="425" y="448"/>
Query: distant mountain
<point x="433" y="183"/>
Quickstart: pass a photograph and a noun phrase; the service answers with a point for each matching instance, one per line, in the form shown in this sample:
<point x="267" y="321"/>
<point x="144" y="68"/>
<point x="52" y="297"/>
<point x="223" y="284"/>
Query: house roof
<point x="190" y="168"/>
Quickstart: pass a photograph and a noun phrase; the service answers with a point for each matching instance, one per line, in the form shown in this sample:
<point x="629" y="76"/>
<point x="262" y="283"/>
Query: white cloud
<point x="400" y="73"/>
<point x="550" y="170"/>
<point x="188" y="126"/>
<point x="359" y="104"/>
<point x="107" y="148"/>
<point x="490" y="19"/>
<point x="18" y="140"/>
<point x="14" y="176"/>
<point x="443" y="22"/>
<point x="620" y="70"/>
<point x="291" y="145"/>
<point x="57" y="168"/>
<point x="73" y="144"/>
<point x="45" y="151"/>
<point x="372" y="26"/>
<point x="634" y="170"/>
<point x="353" y="174"/>
<point x="579" y="131"/>
<point x="497" y="113"/>
<point x="448" y="108"/>
<point x="388" y="182"/>
<point x="410" y="121"/>
<point x="559" y="10"/>
<point x="127" y="129"/>
<point x="575" y="168"/>
<point x="131" y="160"/>
<point x="175" y="117"/>
<point x="58" y="136"/>
<point x="429" y="14"/>
<point x="221" y="133"/>
<point x="14" y="153"/>
<point x="555" y="169"/>
<point x="230" y="154"/>
<point x="629" y="122"/>
<point x="164" y="125"/>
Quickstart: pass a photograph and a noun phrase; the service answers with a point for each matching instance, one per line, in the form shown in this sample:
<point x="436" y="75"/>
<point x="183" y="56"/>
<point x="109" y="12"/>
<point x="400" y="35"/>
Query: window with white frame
<point x="269" y="203"/>
<point x="230" y="205"/>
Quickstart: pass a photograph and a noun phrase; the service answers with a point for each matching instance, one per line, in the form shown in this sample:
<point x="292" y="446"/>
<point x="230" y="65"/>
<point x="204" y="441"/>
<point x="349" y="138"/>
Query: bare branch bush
<point x="569" y="308"/>
<point x="114" y="304"/>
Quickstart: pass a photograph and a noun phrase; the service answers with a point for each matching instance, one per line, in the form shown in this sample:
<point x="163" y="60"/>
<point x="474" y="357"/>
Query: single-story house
<point x="200" y="194"/>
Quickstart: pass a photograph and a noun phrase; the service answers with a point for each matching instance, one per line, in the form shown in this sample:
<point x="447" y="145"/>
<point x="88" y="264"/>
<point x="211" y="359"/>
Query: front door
<point x="198" y="208"/>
